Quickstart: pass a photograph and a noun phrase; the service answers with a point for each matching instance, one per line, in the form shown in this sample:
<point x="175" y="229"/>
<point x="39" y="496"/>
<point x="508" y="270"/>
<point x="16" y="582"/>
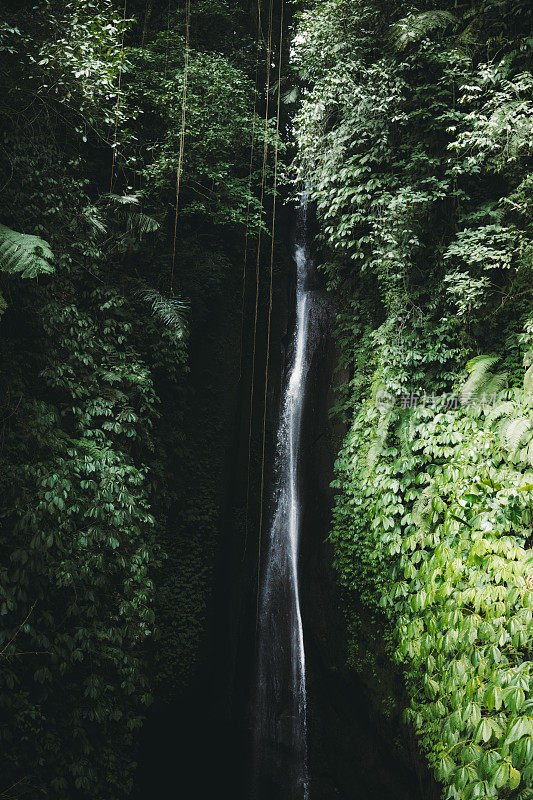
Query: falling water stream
<point x="280" y="722"/>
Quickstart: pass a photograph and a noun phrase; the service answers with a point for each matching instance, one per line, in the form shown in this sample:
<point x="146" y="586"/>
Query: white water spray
<point x="280" y="770"/>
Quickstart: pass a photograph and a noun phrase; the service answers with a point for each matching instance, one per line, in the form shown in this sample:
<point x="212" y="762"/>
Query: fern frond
<point x="122" y="199"/>
<point x="92" y="449"/>
<point x="416" y="26"/>
<point x="481" y="362"/>
<point x="505" y="409"/>
<point x="92" y="216"/>
<point x="513" y="430"/>
<point x="526" y="454"/>
<point x="378" y="443"/>
<point x="520" y="138"/>
<point x="405" y="434"/>
<point x="24" y="254"/>
<point x="480" y="380"/>
<point x="136" y="221"/>
<point x="141" y="223"/>
<point x="419" y="513"/>
<point x="494" y="385"/>
<point x="171" y="311"/>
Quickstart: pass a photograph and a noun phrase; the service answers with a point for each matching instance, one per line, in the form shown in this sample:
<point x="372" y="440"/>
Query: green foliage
<point x="77" y="547"/>
<point x="21" y="253"/>
<point x="170" y="310"/>
<point x="400" y="151"/>
<point x="414" y="138"/>
<point x="416" y="26"/>
<point x="109" y="480"/>
<point x="218" y="126"/>
<point x="481" y="383"/>
<point x="435" y="538"/>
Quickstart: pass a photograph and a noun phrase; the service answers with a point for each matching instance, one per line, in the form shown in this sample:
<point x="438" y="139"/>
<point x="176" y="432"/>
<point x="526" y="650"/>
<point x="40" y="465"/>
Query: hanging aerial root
<point x="117" y="108"/>
<point x="182" y="134"/>
<point x="258" y="261"/>
<point x="246" y="237"/>
<point x="271" y="276"/>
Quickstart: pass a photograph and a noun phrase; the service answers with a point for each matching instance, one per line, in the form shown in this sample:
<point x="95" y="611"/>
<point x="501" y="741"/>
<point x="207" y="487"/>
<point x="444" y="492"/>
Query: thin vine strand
<point x="182" y="135"/>
<point x="117" y="108"/>
<point x="271" y="274"/>
<point x="254" y="349"/>
<point x="247" y="234"/>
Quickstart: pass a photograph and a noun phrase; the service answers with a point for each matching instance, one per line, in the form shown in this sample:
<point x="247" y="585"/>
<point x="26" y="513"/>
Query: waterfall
<point x="280" y="769"/>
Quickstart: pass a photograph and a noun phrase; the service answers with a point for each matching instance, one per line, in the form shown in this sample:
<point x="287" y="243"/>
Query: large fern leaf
<point x="513" y="432"/>
<point x="421" y="507"/>
<point x="493" y="386"/>
<point x="481" y="381"/>
<point x="92" y="449"/>
<point x="505" y="409"/>
<point x="136" y="221"/>
<point x="171" y="311"/>
<point x="92" y="215"/>
<point x="142" y="224"/>
<point x="526" y="454"/>
<point x="122" y="199"/>
<point x="24" y="254"/>
<point x="414" y="27"/>
<point x="405" y="433"/>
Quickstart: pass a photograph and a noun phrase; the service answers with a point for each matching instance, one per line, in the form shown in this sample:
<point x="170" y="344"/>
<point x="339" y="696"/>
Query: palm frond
<point x="24" y="254"/>
<point x="415" y="27"/>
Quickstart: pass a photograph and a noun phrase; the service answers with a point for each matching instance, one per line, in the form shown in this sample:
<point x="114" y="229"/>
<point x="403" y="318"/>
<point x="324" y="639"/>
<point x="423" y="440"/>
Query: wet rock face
<point x="353" y="750"/>
<point x="351" y="755"/>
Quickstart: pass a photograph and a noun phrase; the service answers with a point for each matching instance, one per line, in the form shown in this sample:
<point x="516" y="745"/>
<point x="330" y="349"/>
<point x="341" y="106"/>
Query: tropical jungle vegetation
<point x="146" y="147"/>
<point x="415" y="134"/>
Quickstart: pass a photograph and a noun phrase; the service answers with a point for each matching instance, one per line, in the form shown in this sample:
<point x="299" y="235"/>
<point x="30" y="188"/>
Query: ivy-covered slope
<point x="415" y="138"/>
